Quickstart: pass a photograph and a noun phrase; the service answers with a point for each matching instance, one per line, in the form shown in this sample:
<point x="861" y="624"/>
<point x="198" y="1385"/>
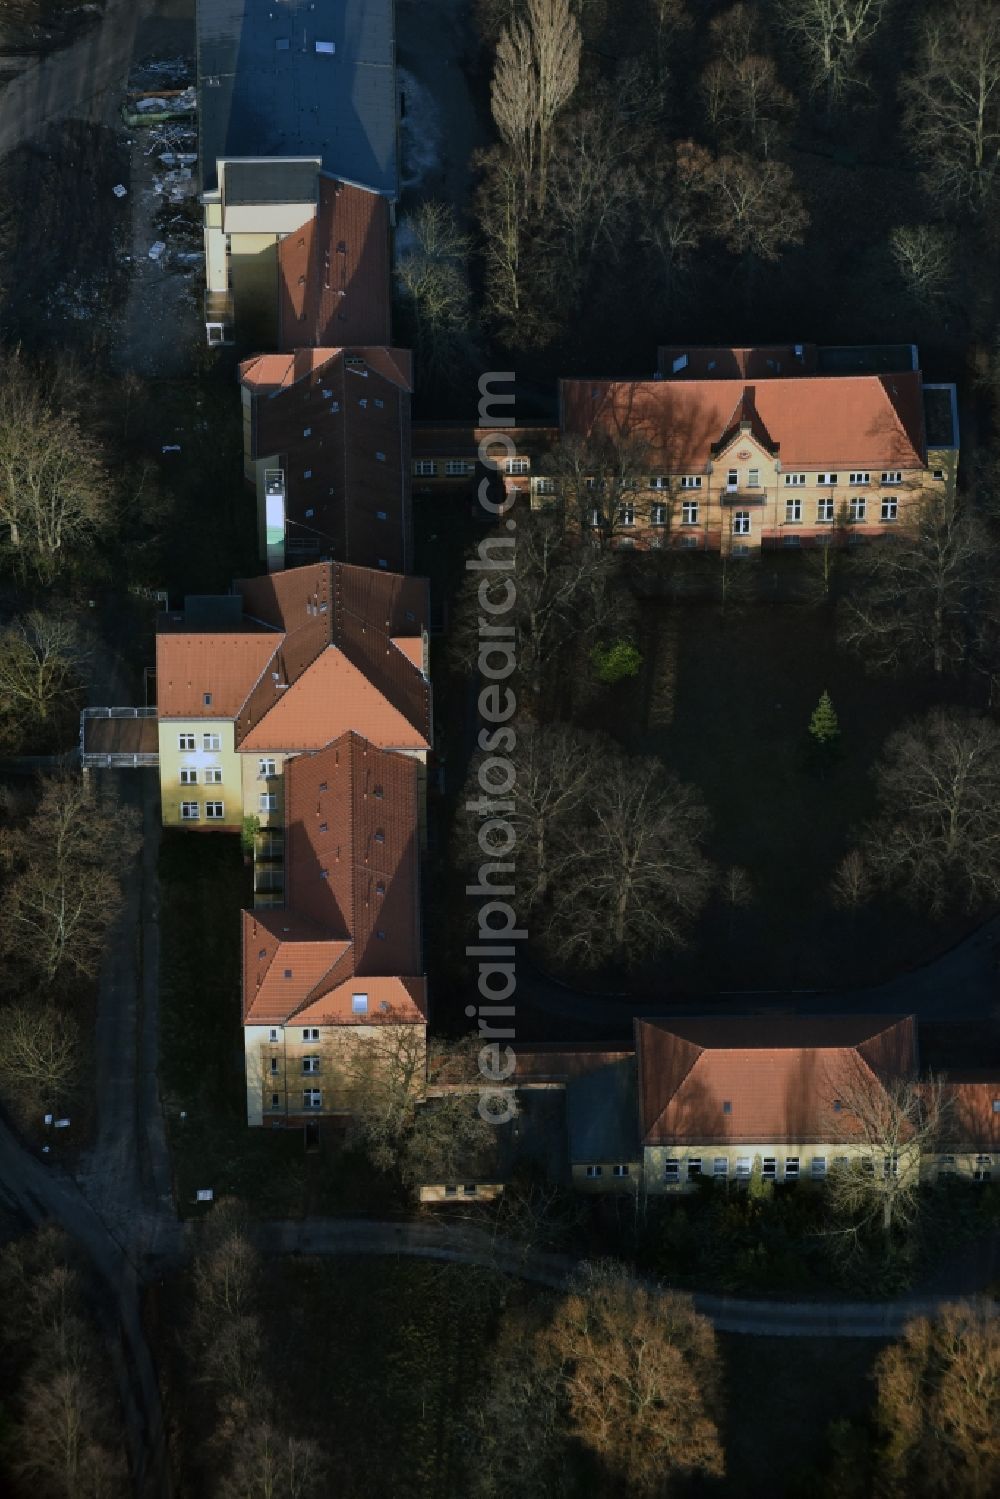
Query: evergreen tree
<point x="823" y="725"/>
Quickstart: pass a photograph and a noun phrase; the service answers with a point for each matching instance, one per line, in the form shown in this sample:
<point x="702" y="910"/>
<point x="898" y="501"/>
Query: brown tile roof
<point x="226" y="665"/>
<point x="334" y="284"/>
<point x="336" y="667"/>
<point x="461" y="439"/>
<point x="551" y="1062"/>
<point x="815" y="421"/>
<point x="973" y="1109"/>
<point x="780" y="1076"/>
<point x="351" y="921"/>
<point x="340" y="428"/>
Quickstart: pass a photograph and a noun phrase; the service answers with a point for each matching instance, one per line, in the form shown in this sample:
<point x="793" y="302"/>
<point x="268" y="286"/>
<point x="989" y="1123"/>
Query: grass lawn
<point x="726" y="703"/>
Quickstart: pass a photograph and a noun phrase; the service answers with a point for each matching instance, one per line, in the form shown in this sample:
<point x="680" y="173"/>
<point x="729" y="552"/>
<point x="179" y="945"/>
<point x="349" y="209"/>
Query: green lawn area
<point x="726" y="702"/>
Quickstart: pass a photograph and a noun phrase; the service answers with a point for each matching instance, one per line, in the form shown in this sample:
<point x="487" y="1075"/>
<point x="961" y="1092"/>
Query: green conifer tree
<point x="823" y="725"/>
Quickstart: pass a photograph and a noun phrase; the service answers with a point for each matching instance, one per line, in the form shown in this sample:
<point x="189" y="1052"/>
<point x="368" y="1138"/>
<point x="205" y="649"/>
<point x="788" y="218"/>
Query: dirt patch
<point x="62" y="267"/>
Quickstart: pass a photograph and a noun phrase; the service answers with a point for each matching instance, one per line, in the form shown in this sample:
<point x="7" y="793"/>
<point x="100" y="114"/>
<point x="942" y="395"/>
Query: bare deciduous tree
<point x="433" y="277"/>
<point x="265" y="1463"/>
<point x="54" y="493"/>
<point x="832" y="37"/>
<point x="915" y="597"/>
<point x="555" y="769"/>
<point x="636" y="874"/>
<point x="937" y="836"/>
<point x="41" y="657"/>
<point x="639" y="1375"/>
<point x="65" y="865"/>
<point x="448" y="1141"/>
<point x="557" y="45"/>
<point x="385" y="1078"/>
<point x="757" y="210"/>
<point x="741" y="89"/>
<point x="851" y="884"/>
<point x="39" y="1057"/>
<point x="953" y="101"/>
<point x="938" y="1406"/>
<point x="895" y="1120"/>
<point x="925" y="257"/>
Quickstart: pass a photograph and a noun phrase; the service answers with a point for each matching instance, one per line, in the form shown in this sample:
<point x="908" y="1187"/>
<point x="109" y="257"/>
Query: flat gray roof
<point x="265" y="90"/>
<point x="271" y="182"/>
<point x="602" y="1114"/>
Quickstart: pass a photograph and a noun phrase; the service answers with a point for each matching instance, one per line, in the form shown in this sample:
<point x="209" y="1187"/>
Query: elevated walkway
<point x="118" y="739"/>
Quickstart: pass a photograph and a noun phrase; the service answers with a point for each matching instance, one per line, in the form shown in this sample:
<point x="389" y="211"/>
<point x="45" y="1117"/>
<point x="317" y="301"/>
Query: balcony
<point x="742" y="499"/>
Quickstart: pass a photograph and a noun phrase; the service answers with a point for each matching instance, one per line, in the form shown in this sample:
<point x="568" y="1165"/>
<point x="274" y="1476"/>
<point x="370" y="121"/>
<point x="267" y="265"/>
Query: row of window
<point x="718" y="1167"/>
<point x="210" y="742"/>
<point x="191" y="812"/>
<point x="982" y="1168"/>
<point x="455" y="468"/>
<point x="595" y="1171"/>
<point x="312" y="1098"/>
<point x="309" y="1065"/>
<point x="211" y="775"/>
<point x="857" y="511"/>
<point x="427" y="468"/>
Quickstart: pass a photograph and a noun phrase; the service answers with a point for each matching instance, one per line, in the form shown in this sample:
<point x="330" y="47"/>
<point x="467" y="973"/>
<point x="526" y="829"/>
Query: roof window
<point x="727" y="1107"/>
<point x="359" y="1004"/>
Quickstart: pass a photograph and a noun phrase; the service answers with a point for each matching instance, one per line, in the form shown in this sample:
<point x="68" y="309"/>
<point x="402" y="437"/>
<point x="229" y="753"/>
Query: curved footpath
<point x="465" y="1245"/>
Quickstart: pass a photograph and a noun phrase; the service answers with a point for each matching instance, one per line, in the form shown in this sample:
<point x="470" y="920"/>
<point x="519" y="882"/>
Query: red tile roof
<point x="334" y="284"/>
<point x="351" y="920"/>
<point x="225" y="665"/>
<point x="780" y="1077"/>
<point x="337" y="666"/>
<point x="339" y="427"/>
<point x="814" y="421"/>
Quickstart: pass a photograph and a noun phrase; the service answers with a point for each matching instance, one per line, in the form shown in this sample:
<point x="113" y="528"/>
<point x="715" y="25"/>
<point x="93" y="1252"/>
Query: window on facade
<point x="268" y="801"/>
<point x="690" y="542"/>
<point x="720" y="1166"/>
<point x="213" y="775"/>
<point x="545" y="486"/>
<point x="312" y="1098"/>
<point x="939" y="473"/>
<point x="359" y="1004"/>
<point x="660" y="481"/>
<point x="189" y="777"/>
<point x="276" y="1100"/>
<point x="741" y="523"/>
<point x="769" y="1168"/>
<point x="753" y="478"/>
<point x="267" y="769"/>
<point x="824" y="510"/>
<point x="595" y="1171"/>
<point x="626" y="515"/>
<point x="732" y="479"/>
<point x="595" y="518"/>
<point x="185" y="741"/>
<point x="857" y="507"/>
<point x="791" y="541"/>
<point x="867" y="1166"/>
<point x="743" y="1166"/>
<point x="981" y="1171"/>
<point x="890" y="509"/>
<point x="516" y="466"/>
<point x="996" y="1105"/>
<point x="861" y="478"/>
<point x="310" y="1064"/>
<point x="620" y="1171"/>
<point x="689" y="513"/>
<point x="890" y="1166"/>
<point x="691" y="481"/>
<point x="272" y="1034"/>
<point x="211" y="742"/>
<point x="818" y="1166"/>
<point x="841" y="1162"/>
<point x="658" y="515"/>
<point x="425" y="468"/>
<point x="694" y="1167"/>
<point x="892" y="476"/>
<point x="671" y="1171"/>
<point x="455" y="467"/>
<point x="310" y="1033"/>
<point x="827" y="479"/>
<point x="794" y="480"/>
<point x="793" y="510"/>
<point x="274" y="1064"/>
<point x="189" y="812"/>
<point x="791" y="1168"/>
<point x="214" y="811"/>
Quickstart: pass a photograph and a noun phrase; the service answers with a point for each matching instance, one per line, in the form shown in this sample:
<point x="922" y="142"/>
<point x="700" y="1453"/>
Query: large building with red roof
<point x="326" y="436"/>
<point x="743" y="448"/>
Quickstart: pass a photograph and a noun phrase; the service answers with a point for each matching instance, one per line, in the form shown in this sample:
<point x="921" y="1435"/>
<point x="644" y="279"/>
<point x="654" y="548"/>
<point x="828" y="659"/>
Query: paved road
<point x="82" y="81"/>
